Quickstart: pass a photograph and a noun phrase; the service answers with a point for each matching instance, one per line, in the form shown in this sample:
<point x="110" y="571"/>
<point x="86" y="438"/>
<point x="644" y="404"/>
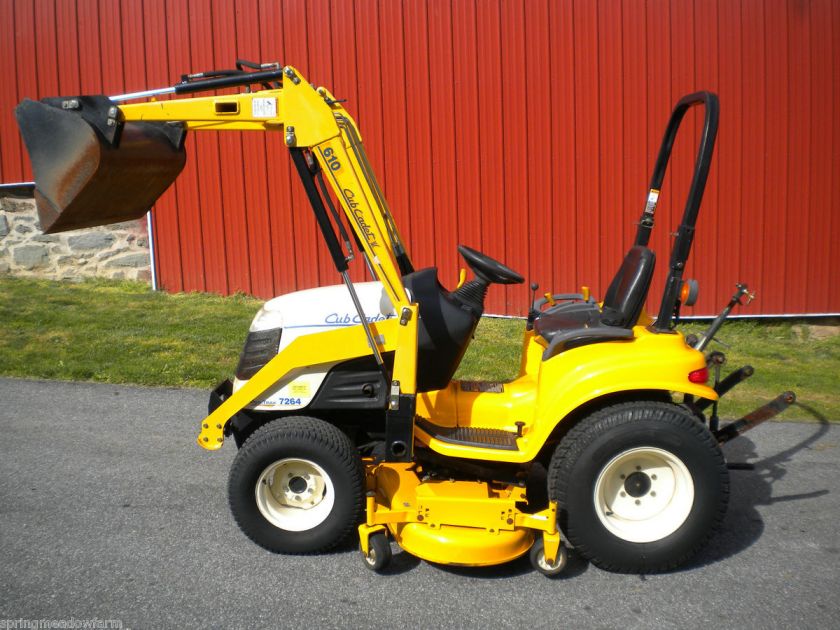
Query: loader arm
<point x="313" y="120"/>
<point x="326" y="148"/>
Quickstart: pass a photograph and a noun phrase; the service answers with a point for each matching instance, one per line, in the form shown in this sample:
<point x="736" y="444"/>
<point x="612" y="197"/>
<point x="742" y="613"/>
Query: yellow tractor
<point x="343" y="407"/>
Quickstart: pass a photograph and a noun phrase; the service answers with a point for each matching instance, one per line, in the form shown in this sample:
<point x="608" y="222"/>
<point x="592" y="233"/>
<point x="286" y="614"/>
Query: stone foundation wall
<point x="119" y="251"/>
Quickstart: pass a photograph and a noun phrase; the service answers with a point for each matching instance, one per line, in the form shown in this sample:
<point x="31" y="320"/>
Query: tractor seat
<point x="572" y="325"/>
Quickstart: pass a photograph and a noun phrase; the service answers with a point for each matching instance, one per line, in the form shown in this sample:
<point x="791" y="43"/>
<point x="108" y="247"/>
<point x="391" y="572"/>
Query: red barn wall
<point x="524" y="128"/>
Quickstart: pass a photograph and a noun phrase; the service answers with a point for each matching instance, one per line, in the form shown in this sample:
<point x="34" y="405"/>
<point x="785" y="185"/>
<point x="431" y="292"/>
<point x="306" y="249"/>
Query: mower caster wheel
<point x="379" y="552"/>
<point x="538" y="561"/>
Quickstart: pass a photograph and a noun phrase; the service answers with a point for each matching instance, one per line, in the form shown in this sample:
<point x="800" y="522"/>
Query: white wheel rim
<point x="559" y="561"/>
<point x="295" y="494"/>
<point x="644" y="494"/>
<point x="370" y="558"/>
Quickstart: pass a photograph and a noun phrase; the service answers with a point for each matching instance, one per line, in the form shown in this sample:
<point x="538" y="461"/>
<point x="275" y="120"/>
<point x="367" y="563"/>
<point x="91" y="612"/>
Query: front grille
<point x="260" y="348"/>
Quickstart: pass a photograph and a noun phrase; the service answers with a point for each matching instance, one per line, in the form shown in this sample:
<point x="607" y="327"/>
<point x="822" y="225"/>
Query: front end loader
<point x="344" y="409"/>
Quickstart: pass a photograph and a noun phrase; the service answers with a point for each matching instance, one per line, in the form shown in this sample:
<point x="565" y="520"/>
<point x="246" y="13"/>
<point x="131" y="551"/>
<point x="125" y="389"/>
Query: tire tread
<point x="310" y="430"/>
<point x="580" y="436"/>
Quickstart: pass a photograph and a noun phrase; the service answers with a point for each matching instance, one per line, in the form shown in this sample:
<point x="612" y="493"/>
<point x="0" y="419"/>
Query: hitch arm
<point x="754" y="418"/>
<point x="738" y="376"/>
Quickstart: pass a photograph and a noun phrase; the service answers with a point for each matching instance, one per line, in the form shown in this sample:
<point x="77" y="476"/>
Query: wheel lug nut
<point x="653" y="477"/>
<point x="624" y="494"/>
<point x="638" y="467"/>
<point x="623" y="476"/>
<point x="638" y="502"/>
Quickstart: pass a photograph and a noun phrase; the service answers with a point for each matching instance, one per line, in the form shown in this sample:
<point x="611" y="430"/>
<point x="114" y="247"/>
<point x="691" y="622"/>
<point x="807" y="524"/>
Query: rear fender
<point x="649" y="362"/>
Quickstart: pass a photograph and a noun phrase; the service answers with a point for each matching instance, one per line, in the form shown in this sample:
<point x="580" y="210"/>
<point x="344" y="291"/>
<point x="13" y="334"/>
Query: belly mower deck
<point x="464" y="523"/>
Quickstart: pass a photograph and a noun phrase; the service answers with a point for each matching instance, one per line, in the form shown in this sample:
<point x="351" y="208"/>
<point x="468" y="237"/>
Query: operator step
<point x="471" y="436"/>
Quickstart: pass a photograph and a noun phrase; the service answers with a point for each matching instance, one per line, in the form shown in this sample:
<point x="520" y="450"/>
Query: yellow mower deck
<point x="462" y="523"/>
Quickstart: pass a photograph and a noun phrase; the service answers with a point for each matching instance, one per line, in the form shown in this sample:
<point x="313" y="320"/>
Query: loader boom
<point x="326" y="148"/>
<point x="313" y="121"/>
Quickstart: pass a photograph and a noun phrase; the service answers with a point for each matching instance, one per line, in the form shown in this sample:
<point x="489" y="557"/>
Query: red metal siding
<point x="525" y="128"/>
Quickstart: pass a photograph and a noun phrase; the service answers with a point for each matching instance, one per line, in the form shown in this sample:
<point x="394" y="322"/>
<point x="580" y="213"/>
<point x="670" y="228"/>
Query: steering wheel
<point x="489" y="270"/>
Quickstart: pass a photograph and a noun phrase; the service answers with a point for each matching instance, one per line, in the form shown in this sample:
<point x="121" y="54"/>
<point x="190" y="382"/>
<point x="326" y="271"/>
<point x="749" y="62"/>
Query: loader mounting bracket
<point x="98" y="111"/>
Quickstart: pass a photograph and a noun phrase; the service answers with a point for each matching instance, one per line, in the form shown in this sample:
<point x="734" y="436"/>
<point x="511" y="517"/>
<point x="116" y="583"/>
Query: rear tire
<point x="296" y="486"/>
<point x="641" y="487"/>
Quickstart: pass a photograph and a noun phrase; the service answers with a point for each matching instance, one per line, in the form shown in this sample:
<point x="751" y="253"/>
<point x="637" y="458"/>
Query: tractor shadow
<point x="751" y="485"/>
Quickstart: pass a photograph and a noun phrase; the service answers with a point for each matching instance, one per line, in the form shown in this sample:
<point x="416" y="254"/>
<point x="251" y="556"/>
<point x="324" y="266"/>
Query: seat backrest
<point x="444" y="330"/>
<point x="627" y="292"/>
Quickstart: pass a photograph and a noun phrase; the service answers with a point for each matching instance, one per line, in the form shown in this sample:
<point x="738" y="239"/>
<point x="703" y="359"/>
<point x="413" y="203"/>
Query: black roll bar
<point x="685" y="233"/>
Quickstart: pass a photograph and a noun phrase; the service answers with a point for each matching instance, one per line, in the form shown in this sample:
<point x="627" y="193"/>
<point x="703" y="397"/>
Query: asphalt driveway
<point x="109" y="510"/>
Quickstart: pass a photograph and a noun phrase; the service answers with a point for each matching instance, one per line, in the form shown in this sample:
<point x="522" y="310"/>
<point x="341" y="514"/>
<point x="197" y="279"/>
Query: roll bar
<point x="685" y="233"/>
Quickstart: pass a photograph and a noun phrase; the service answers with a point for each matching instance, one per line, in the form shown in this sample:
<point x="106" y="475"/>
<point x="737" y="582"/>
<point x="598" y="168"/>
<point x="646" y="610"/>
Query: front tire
<point x="641" y="487"/>
<point x="296" y="486"/>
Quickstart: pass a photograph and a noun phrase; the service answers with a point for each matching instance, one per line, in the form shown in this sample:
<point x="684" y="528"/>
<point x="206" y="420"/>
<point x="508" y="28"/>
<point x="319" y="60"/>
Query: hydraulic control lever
<point x="533" y="311"/>
<point x="742" y="291"/>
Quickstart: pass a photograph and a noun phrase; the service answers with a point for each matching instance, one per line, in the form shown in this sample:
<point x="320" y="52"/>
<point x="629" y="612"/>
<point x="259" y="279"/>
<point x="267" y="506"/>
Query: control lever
<point x="532" y="311"/>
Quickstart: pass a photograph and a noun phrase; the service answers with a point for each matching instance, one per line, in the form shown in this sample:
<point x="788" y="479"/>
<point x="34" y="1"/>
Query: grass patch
<point x="122" y="332"/>
<point x="119" y="332"/>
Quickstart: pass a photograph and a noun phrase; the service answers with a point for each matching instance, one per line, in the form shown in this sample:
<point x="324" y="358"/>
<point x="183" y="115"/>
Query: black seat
<point x="569" y="326"/>
<point x="627" y="292"/>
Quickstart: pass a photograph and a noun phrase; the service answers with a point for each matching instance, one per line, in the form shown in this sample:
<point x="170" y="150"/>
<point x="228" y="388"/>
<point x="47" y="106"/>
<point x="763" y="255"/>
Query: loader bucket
<point x="90" y="169"/>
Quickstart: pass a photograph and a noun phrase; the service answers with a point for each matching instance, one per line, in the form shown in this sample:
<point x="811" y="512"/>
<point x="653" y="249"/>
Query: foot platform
<point x="471" y="436"/>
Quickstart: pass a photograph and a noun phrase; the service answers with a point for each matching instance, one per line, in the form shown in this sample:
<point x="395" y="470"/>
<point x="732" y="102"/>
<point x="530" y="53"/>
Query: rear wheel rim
<point x="295" y="494"/>
<point x="643" y="494"/>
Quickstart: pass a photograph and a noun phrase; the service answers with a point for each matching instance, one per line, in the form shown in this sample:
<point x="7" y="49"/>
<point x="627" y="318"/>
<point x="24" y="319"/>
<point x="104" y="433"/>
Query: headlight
<point x="266" y="319"/>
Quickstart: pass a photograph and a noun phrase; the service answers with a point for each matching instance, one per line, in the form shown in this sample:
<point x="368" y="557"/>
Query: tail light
<point x="699" y="376"/>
